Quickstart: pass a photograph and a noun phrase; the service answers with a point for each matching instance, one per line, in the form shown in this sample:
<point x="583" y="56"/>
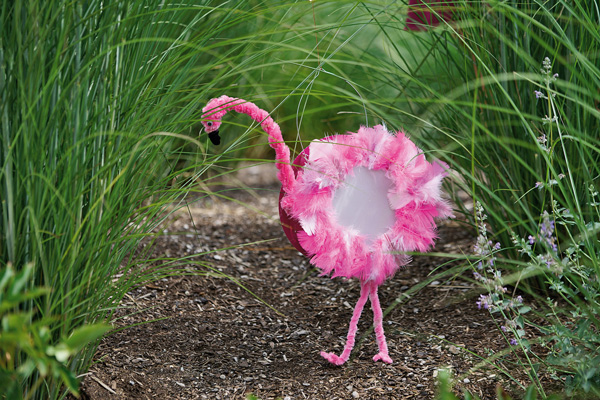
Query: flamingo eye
<point x="209" y="124"/>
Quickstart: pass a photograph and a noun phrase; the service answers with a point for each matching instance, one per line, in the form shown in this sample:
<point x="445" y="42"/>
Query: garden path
<point x="212" y="339"/>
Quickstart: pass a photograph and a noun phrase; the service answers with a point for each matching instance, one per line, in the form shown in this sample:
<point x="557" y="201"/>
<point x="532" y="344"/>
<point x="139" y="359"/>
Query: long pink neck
<point x="285" y="172"/>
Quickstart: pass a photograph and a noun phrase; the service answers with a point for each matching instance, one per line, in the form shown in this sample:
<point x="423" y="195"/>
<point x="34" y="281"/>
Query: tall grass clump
<point x="99" y="108"/>
<point x="521" y="127"/>
<point x="82" y="175"/>
<point x="100" y="105"/>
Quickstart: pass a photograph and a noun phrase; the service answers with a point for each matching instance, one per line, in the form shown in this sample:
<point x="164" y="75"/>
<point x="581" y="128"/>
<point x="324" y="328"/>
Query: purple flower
<point x="547" y="233"/>
<point x="548" y="260"/>
<point x="538" y="94"/>
<point x="513" y="342"/>
<point x="547" y="226"/>
<point x="542" y="139"/>
<point x="483" y="302"/>
<point x="519" y="299"/>
<point x="497" y="246"/>
<point x="504" y="329"/>
<point x="531" y="239"/>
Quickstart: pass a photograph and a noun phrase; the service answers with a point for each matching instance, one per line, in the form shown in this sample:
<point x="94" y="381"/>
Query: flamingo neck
<point x="282" y="152"/>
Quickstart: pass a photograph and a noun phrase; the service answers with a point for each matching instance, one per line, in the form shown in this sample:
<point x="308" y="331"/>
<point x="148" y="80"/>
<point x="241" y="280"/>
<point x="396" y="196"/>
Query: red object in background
<point x="290" y="225"/>
<point x="423" y="14"/>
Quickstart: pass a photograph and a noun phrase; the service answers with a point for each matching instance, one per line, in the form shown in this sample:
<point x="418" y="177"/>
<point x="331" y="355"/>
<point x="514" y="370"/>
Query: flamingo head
<point x="211" y="118"/>
<point x="212" y="128"/>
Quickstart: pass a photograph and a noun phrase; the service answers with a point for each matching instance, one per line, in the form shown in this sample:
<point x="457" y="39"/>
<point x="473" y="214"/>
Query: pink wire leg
<point x="339" y="360"/>
<point x="378" y="324"/>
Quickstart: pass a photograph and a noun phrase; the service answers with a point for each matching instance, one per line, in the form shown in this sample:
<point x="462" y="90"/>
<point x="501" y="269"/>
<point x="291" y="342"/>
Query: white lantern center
<point x="361" y="202"/>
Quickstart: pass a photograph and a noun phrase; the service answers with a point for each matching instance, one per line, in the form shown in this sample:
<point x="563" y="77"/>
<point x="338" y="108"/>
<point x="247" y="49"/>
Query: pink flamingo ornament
<point x="352" y="203"/>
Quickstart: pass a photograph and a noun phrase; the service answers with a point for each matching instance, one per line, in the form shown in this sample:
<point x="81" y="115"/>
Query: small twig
<point x="104" y="385"/>
<point x="144" y="296"/>
<point x="150" y="286"/>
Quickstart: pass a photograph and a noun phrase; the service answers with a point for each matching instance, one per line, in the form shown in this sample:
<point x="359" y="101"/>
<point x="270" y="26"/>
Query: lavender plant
<point x="570" y="334"/>
<point x="572" y="308"/>
<point x="505" y="307"/>
<point x="563" y="252"/>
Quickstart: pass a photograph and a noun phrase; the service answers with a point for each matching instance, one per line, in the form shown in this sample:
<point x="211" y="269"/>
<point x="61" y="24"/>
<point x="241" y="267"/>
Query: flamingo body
<point x="354" y="204"/>
<point x="290" y="225"/>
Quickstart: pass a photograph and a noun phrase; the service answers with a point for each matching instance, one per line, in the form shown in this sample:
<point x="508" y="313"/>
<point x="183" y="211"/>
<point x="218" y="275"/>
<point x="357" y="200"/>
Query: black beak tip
<point x="215" y="138"/>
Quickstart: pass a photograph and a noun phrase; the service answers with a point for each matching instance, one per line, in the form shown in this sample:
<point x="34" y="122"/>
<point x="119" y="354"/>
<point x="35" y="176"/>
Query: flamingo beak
<point x="215" y="138"/>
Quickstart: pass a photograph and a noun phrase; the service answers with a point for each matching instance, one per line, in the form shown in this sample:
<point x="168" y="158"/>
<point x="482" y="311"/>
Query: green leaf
<point x="19" y="298"/>
<point x="524" y="309"/>
<point x="9" y="385"/>
<point x="21" y="280"/>
<point x="84" y="335"/>
<point x="69" y="379"/>
<point x="531" y="393"/>
<point x="16" y="322"/>
<point x="445" y="385"/>
<point x="7" y="274"/>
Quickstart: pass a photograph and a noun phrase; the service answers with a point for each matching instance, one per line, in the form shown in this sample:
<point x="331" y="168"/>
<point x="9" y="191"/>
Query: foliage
<point x="507" y="94"/>
<point x="570" y="335"/>
<point x="23" y="336"/>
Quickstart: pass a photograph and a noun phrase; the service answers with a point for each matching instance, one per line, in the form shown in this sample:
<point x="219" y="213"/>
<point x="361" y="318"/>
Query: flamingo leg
<point x="378" y="324"/>
<point x="339" y="360"/>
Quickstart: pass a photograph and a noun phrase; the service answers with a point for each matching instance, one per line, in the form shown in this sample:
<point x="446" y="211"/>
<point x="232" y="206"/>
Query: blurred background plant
<point x="100" y="106"/>
<point x="28" y="348"/>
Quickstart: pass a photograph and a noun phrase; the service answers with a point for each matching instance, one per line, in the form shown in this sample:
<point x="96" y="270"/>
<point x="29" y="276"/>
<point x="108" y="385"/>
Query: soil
<point x="251" y="315"/>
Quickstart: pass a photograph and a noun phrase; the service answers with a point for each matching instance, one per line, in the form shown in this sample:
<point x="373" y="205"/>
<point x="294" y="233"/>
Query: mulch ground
<point x="207" y="336"/>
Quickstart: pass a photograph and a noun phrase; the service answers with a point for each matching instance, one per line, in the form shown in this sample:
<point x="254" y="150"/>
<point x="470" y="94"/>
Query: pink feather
<point x="415" y="196"/>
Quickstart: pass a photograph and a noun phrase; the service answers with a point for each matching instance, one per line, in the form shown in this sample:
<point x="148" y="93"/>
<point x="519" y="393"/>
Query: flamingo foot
<point x="333" y="358"/>
<point x="383" y="356"/>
